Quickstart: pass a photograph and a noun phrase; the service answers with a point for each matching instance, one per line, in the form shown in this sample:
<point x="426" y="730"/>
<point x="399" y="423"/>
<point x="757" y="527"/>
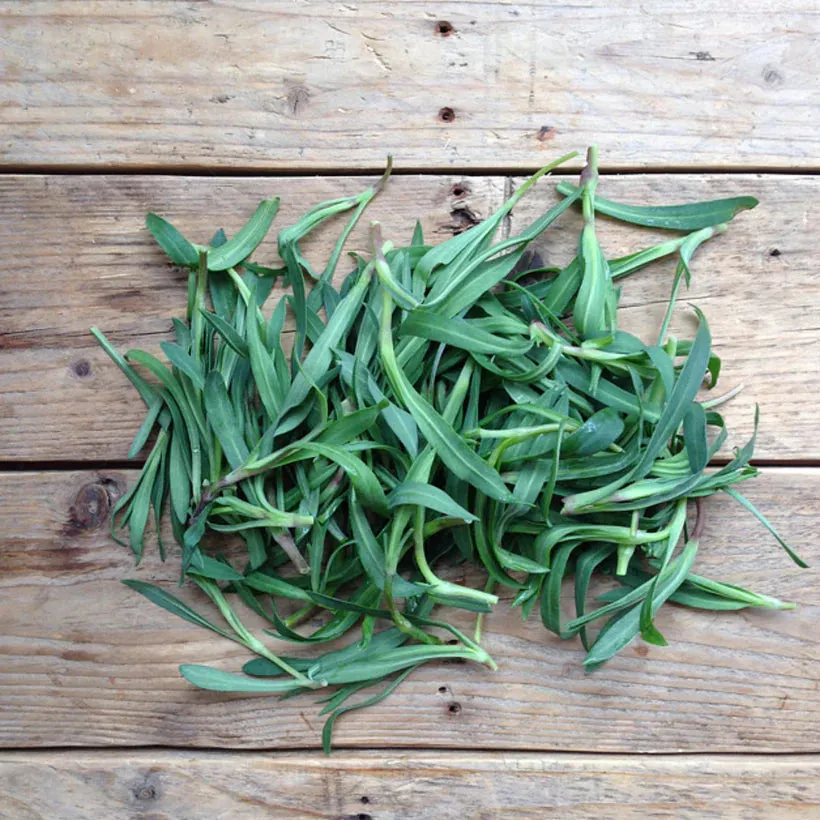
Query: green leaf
<point x="371" y="555"/>
<point x="730" y="593"/>
<point x="466" y="244"/>
<point x="182" y="333"/>
<point x="317" y="361"/>
<point x="263" y="668"/>
<point x="159" y="495"/>
<point x="179" y="250"/>
<point x="689" y="217"/>
<point x="245" y="242"/>
<point x="587" y="563"/>
<point x="681" y="397"/>
<point x="426" y="495"/>
<point x="192" y="537"/>
<point x="227" y="332"/>
<point x="597" y="433"/>
<point x="167" y="601"/>
<point x="276" y="586"/>
<point x="590" y="312"/>
<point x="208" y="567"/>
<point x="620" y="630"/>
<point x="184" y="362"/>
<point x="351" y="425"/>
<point x="262" y="365"/>
<point x="179" y="482"/>
<point x="392" y="661"/>
<point x="276" y="325"/>
<point x="744" y="502"/>
<point x="258" y="516"/>
<point x="206" y="677"/>
<point x="175" y="394"/>
<point x="141" y="438"/>
<point x="222" y="420"/>
<point x="327" y="731"/>
<point x="449" y="446"/>
<point x="145" y="390"/>
<point x="361" y="476"/>
<point x="141" y="503"/>
<point x="551" y="593"/>
<point x="694" y="436"/>
<point x="462" y="334"/>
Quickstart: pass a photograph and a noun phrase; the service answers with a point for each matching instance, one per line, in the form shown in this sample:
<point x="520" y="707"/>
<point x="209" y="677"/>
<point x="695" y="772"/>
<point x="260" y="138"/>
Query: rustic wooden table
<point x="197" y="110"/>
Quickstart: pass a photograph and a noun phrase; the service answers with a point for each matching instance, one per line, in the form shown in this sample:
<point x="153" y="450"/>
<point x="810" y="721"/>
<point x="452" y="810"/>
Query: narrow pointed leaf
<point x="244" y="243"/>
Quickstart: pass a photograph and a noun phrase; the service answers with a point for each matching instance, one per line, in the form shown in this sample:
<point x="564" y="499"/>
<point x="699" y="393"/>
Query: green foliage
<point x="445" y="403"/>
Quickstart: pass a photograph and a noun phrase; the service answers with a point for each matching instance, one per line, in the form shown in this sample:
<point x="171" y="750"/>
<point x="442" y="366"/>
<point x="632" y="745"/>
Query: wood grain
<point x="317" y="85"/>
<point x="85" y="661"/>
<point x="77" y="254"/>
<point x="395" y="784"/>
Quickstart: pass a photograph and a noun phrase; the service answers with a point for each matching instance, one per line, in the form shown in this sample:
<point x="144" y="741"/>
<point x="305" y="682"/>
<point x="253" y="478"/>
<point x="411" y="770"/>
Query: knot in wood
<point x="92" y="506"/>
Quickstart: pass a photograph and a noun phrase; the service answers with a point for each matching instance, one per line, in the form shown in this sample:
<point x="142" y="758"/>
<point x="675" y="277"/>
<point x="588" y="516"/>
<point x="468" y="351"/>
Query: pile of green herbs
<point x="445" y="404"/>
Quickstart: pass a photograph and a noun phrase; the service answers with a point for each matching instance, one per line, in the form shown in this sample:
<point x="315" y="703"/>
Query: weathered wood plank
<point x="394" y="784"/>
<point x="86" y="661"/>
<point x="319" y="85"/>
<point x="77" y="254"/>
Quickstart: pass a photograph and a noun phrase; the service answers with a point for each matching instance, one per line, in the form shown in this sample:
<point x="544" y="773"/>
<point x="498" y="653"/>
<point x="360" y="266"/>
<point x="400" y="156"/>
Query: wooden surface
<point x="396" y="786"/>
<point x="109" y="109"/>
<point x="318" y="84"/>
<point x="61" y="398"/>
<point x="85" y="661"/>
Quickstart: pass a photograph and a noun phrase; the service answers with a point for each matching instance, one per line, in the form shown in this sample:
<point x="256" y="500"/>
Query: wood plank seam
<point x="294" y="171"/>
<point x="341" y="749"/>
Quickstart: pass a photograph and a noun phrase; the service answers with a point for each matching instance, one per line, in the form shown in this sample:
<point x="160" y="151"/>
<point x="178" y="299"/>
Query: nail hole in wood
<point x="81" y="368"/>
<point x="444" y="28"/>
<point x="446" y="114"/>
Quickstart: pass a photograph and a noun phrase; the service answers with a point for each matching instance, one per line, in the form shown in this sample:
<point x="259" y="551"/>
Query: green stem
<point x="670" y="307"/>
<point x="245" y="637"/>
<point x="479" y="621"/>
<point x="241" y="287"/>
<point x="300" y="615"/>
<point x="589" y="177"/>
<point x="438" y="585"/>
<point x="626" y="551"/>
<point x="245" y="293"/>
<point x="199" y="306"/>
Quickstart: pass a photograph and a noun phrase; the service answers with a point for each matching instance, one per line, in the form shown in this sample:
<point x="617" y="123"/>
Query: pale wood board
<point x="86" y="661"/>
<point x="394" y="784"/>
<point x="77" y="254"/>
<point x="319" y="85"/>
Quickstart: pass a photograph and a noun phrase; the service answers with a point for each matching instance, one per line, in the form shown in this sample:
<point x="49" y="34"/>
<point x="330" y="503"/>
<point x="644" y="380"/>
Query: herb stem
<point x="199" y="306"/>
